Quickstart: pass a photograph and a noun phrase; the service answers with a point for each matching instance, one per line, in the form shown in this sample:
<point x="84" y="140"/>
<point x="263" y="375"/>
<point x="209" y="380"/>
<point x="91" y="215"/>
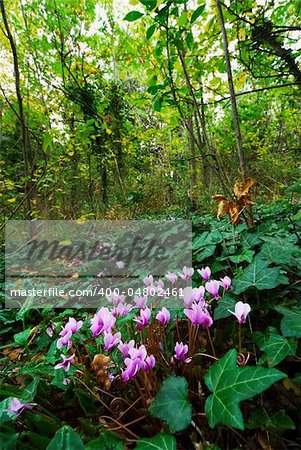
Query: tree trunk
<point x="193" y="169"/>
<point x="21" y="116"/>
<point x="232" y="92"/>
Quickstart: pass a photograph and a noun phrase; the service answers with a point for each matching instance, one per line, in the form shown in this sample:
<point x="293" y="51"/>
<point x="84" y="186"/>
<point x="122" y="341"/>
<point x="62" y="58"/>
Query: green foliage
<point x="275" y="424"/>
<point x="277" y="348"/>
<point x="260" y="276"/>
<point x="291" y="322"/>
<point x="133" y="15"/>
<point x="230" y="385"/>
<point x="159" y="442"/>
<point x="107" y="441"/>
<point x="171" y="404"/>
<point x="66" y="438"/>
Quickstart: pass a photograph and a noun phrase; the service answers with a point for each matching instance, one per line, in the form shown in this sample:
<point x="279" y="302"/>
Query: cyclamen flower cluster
<point x="197" y="304"/>
<point x="138" y="359"/>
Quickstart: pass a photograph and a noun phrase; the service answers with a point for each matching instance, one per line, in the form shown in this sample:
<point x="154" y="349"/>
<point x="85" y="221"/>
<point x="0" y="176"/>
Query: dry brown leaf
<point x="242" y="188"/>
<point x="223" y="208"/>
<point x="264" y="443"/>
<point x="236" y="208"/>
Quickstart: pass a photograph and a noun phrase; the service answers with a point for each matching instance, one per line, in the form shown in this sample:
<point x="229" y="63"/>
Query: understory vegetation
<point x="157" y="111"/>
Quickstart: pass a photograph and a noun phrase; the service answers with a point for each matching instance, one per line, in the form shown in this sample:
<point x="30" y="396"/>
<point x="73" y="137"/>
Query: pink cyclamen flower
<point x="188" y="298"/>
<point x="120" y="264"/>
<point x="187" y="273"/>
<point x="17" y="407"/>
<point x="143" y="319"/>
<point x="148" y="281"/>
<point x="77" y="262"/>
<point x="72" y="325"/>
<point x="172" y="277"/>
<point x="206" y="320"/>
<point x="110" y="340"/>
<point x="226" y="283"/>
<point x="65" y="364"/>
<point x="132" y="367"/>
<point x="212" y="287"/>
<point x="149" y="363"/>
<point x="122" y="309"/>
<point x="124" y="347"/>
<point x="140" y="301"/>
<point x="115" y="299"/>
<point x="106" y="245"/>
<point x="198" y="294"/>
<point x="65" y="340"/>
<point x="205" y="273"/>
<point x="194" y="314"/>
<point x="49" y="331"/>
<point x="102" y="321"/>
<point x="241" y="311"/>
<point x="138" y="353"/>
<point x="180" y="352"/>
<point x="163" y="316"/>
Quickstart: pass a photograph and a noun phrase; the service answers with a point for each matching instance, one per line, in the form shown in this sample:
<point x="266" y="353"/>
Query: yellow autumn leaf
<point x="242" y="34"/>
<point x="11" y="200"/>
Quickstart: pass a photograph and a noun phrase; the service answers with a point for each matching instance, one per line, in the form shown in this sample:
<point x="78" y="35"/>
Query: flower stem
<point x="239" y="338"/>
<point x="211" y="343"/>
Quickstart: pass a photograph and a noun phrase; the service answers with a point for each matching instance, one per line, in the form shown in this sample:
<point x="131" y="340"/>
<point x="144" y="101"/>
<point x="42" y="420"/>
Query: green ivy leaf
<point x="133" y="15"/>
<point x="21" y="338"/>
<point x="275" y="424"/>
<point x="29" y="392"/>
<point x="222" y="310"/>
<point x="245" y="255"/>
<point x="230" y="385"/>
<point x="277" y="254"/>
<point x="66" y="438"/>
<point x="251" y="240"/>
<point x="161" y="441"/>
<point x="171" y="404"/>
<point x="277" y="348"/>
<point x="291" y="322"/>
<point x="107" y="441"/>
<point x="259" y="275"/>
<point x="197" y="13"/>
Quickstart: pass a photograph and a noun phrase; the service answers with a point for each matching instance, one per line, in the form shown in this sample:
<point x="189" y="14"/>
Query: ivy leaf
<point x="275" y="424"/>
<point x="197" y="13"/>
<point x="291" y="322"/>
<point x="222" y="310"/>
<point x="171" y="404"/>
<point x="67" y="439"/>
<point x="21" y="338"/>
<point x="251" y="240"/>
<point x="277" y="254"/>
<point x="259" y="275"/>
<point x="230" y="385"/>
<point x="245" y="255"/>
<point x="106" y="441"/>
<point x="133" y="15"/>
<point x="277" y="348"/>
<point x="161" y="441"/>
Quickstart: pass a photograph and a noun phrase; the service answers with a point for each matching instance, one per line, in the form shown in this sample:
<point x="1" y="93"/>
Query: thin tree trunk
<point x="232" y="92"/>
<point x="24" y="132"/>
<point x="193" y="170"/>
